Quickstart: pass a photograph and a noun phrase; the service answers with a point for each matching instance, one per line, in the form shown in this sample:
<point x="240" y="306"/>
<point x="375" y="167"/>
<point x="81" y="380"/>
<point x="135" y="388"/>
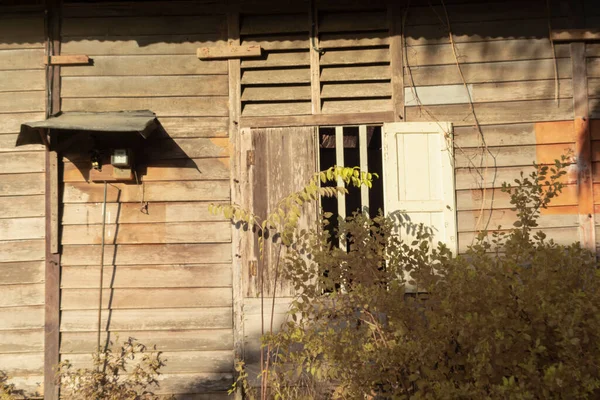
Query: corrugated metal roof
<point x="143" y="122"/>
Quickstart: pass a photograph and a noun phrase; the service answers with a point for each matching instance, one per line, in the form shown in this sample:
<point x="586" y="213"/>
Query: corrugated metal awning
<point x="143" y="122"/>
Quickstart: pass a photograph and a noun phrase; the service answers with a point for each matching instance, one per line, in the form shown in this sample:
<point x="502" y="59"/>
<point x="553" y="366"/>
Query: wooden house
<point x="446" y="99"/>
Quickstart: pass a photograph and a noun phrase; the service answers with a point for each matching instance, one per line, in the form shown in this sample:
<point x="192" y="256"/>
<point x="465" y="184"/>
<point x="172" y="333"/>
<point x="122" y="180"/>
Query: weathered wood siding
<point x="22" y="222"/>
<point x="167" y="274"/>
<point x="508" y="67"/>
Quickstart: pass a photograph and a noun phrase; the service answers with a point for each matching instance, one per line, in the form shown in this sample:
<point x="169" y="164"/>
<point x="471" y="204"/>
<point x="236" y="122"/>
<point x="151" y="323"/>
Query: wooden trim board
<point x="67" y="60"/>
<point x="228" y="51"/>
<point x="318" y="120"/>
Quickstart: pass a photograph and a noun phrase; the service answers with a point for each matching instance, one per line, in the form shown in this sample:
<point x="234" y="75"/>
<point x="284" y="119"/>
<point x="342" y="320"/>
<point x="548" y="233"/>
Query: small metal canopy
<point x="143" y="122"/>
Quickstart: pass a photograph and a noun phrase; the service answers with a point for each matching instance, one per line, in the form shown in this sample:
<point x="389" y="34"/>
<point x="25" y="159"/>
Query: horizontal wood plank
<point x="361" y="73"/>
<point x="18" y="102"/>
<point x="478" y="177"/>
<point x="506" y="50"/>
<point x="21" y="59"/>
<point x="147" y="276"/>
<point x="496" y="113"/>
<point x="264" y="24"/>
<point x="8" y="141"/>
<point x="21" y="184"/>
<point x="178" y="170"/>
<point x="176" y="362"/>
<point x="22" y="341"/>
<point x="279" y="42"/>
<point x="353" y="21"/>
<point x="276" y="108"/>
<point x="22" y="364"/>
<point x="22" y="295"/>
<point x="495" y="198"/>
<point x="359" y="39"/>
<point x="29" y="80"/>
<point x="276" y="93"/>
<point x="271" y="59"/>
<point x="21" y="206"/>
<point x="361" y="105"/>
<point x="140" y="45"/>
<point x="516" y="134"/>
<point x="21" y="250"/>
<point x="147" y="254"/>
<point x="160" y="319"/>
<point x="513" y="156"/>
<point x="30" y="317"/>
<point x="130" y="213"/>
<point x="507" y="71"/>
<point x="22" y="228"/>
<point x="11" y="123"/>
<point x="140" y="86"/>
<point x="138" y="25"/>
<point x="87" y="299"/>
<point x="21" y="272"/>
<point x="195" y="126"/>
<point x="169" y="340"/>
<point x="487" y="92"/>
<point x="277" y="76"/>
<point x="561" y="236"/>
<point x="155" y="65"/>
<point x="353" y="90"/>
<point x="22" y="162"/>
<point x="187" y="232"/>
<point x="162" y="106"/>
<point x="355" y="57"/>
<point x="153" y="191"/>
<point x="318" y="119"/>
<point x="505" y="218"/>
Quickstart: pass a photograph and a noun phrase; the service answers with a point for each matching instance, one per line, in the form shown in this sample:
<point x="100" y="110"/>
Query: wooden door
<point x="418" y="172"/>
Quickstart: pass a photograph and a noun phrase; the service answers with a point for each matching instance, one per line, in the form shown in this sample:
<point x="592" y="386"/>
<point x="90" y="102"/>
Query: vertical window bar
<point x="364" y="167"/>
<point x="339" y="161"/>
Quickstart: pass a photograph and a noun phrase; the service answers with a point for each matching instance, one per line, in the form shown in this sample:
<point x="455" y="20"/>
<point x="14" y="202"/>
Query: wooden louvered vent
<point x="278" y="82"/>
<point x="355" y="73"/>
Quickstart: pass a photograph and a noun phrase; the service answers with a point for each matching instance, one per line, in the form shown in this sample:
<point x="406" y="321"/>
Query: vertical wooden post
<point x="315" y="59"/>
<point x="363" y="149"/>
<point x="585" y="189"/>
<point x="234" y="70"/>
<point x="396" y="59"/>
<point x="52" y="268"/>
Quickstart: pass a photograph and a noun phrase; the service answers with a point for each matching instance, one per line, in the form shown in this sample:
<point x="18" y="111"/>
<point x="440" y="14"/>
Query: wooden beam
<point x="315" y="59"/>
<point x="228" y="51"/>
<point x="52" y="257"/>
<point x="318" y="120"/>
<point x="396" y="60"/>
<point x="237" y="167"/>
<point x="575" y="35"/>
<point x="67" y="60"/>
<point x="585" y="189"/>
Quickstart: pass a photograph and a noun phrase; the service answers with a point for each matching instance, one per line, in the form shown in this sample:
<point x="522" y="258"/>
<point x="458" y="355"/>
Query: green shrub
<point x="515" y="317"/>
<point x="126" y="374"/>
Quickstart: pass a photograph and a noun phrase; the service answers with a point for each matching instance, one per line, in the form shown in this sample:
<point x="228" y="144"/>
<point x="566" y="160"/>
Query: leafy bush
<point x="126" y="374"/>
<point x="516" y="317"/>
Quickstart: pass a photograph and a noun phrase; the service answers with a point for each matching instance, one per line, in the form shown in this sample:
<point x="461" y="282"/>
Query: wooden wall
<point x="167" y="275"/>
<point x="22" y="222"/>
<point x="507" y="62"/>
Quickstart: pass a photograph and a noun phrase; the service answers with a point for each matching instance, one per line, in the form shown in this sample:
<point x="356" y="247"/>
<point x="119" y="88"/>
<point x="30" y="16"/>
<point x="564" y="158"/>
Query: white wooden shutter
<point x="419" y="177"/>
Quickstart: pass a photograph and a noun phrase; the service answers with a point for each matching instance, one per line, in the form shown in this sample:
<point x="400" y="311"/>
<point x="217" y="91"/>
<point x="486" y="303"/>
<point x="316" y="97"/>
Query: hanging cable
<point x="101" y="267"/>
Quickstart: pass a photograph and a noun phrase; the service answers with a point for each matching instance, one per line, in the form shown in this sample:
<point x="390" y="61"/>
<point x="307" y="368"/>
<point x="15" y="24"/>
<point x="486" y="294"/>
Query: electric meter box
<point x="113" y="166"/>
